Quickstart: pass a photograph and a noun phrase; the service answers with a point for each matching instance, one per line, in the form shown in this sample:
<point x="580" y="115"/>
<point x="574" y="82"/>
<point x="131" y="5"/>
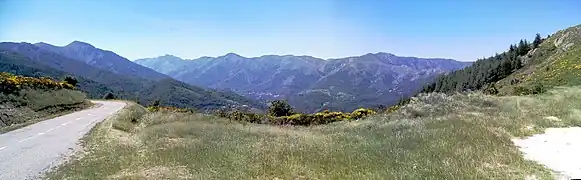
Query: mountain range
<point x="100" y="72"/>
<point x="310" y="84"/>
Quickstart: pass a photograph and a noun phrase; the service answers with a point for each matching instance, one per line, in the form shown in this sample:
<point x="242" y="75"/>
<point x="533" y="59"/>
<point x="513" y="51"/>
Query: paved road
<point x="26" y="152"/>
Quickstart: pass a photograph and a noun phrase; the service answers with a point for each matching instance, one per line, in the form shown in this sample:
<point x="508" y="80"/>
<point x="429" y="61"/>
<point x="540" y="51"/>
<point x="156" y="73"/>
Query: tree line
<point x="485" y="71"/>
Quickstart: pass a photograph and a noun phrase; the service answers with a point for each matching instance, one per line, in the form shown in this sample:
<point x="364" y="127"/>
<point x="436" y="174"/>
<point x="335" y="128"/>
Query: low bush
<point x="128" y="118"/>
<point x="534" y="89"/>
<point x="108" y="96"/>
<point x="490" y="90"/>
<point x="10" y="83"/>
<point x="299" y="119"/>
<point x="169" y="109"/>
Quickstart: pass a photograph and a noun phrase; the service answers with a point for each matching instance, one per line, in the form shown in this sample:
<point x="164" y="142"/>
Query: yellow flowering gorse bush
<point x="300" y="119"/>
<point x="10" y="83"/>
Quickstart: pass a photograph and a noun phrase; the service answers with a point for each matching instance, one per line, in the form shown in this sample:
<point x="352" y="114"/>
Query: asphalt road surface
<point x="26" y="152"/>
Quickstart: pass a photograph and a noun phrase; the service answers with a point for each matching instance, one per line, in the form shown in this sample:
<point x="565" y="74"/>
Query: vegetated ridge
<point x="310" y="84"/>
<point x="526" y="68"/>
<point x="26" y="100"/>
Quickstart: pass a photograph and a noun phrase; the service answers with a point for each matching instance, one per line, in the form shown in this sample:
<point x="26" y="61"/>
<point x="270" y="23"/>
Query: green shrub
<point x="299" y="119"/>
<point x="109" y="95"/>
<point x="170" y="109"/>
<point x="154" y="103"/>
<point x="490" y="89"/>
<point x="241" y="116"/>
<point x="361" y="113"/>
<point x="280" y="108"/>
<point x="128" y="117"/>
<point x="535" y="89"/>
<point x="71" y="80"/>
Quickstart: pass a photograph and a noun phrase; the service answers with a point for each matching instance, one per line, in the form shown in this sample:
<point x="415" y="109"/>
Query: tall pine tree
<point x="538" y="40"/>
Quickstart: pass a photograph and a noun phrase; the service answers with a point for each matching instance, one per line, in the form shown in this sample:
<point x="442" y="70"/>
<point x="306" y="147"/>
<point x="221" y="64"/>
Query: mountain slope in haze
<point x="272" y="74"/>
<point x="166" y="64"/>
<point x="30" y="57"/>
<point x="309" y="83"/>
<point x="102" y="59"/>
<point x="371" y="80"/>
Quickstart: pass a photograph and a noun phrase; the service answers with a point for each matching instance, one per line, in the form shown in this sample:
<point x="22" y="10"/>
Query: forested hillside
<point x="525" y="68"/>
<point x="485" y="72"/>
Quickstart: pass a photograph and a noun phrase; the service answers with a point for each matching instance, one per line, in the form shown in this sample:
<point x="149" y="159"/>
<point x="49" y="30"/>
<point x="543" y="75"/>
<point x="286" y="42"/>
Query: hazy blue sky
<point x="460" y="29"/>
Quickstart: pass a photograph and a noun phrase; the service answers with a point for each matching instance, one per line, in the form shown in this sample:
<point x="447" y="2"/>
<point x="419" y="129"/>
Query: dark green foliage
<point x="490" y="89"/>
<point x="483" y="72"/>
<point x="535" y="89"/>
<point x="291" y="118"/>
<point x="109" y="95"/>
<point x="280" y="108"/>
<point x="71" y="80"/>
<point x="538" y="40"/>
<point x="154" y="103"/>
<point x="381" y="108"/>
<point x="170" y="109"/>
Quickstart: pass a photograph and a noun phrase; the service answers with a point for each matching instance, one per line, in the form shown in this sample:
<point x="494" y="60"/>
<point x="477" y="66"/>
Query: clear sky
<point x="459" y="29"/>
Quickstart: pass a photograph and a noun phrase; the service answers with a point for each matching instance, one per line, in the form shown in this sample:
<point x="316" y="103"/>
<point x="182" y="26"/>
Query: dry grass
<point x="436" y="136"/>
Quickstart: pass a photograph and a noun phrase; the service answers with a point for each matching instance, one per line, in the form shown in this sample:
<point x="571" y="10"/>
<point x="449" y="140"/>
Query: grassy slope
<point x="556" y="62"/>
<point x="33" y="105"/>
<point x="436" y="136"/>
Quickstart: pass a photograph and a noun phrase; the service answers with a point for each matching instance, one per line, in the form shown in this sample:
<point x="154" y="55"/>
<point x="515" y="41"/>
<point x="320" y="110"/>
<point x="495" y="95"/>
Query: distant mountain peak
<point x="382" y="54"/>
<point x="80" y="44"/>
<point x="169" y="56"/>
<point x="385" y="54"/>
<point x="43" y="44"/>
<point x="232" y="55"/>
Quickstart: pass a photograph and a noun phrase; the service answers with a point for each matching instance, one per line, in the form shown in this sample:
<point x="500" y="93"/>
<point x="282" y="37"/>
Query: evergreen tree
<point x="154" y="103"/>
<point x="527" y="47"/>
<point x="71" y="80"/>
<point x="280" y="108"/>
<point x="538" y="40"/>
<point x="484" y="72"/>
<point x="109" y="95"/>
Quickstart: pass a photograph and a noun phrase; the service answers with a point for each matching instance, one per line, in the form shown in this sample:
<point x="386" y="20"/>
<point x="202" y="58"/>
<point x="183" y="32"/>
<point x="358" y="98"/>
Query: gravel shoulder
<point x="557" y="148"/>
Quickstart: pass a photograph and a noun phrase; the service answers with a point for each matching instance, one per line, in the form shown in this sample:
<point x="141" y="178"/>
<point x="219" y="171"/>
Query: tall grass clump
<point x="128" y="118"/>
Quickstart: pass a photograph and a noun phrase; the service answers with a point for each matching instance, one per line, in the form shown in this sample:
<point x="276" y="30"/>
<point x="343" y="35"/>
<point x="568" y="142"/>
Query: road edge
<point x="80" y="147"/>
